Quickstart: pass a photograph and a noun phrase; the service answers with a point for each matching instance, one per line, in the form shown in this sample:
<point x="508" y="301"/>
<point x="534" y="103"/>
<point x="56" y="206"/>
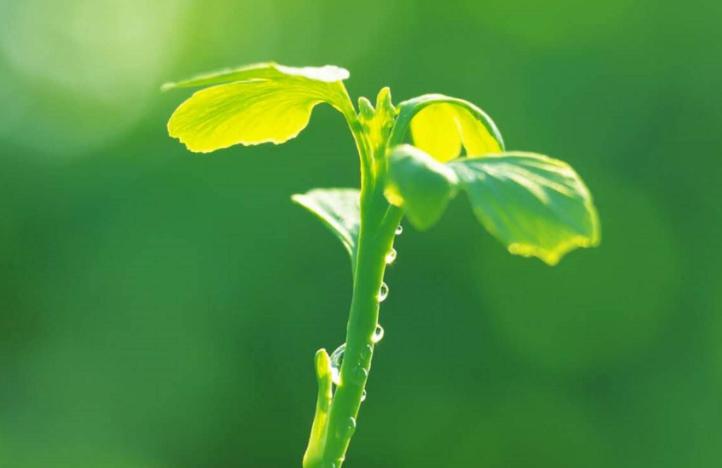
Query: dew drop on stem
<point x="383" y="292"/>
<point x="336" y="361"/>
<point x="399" y="230"/>
<point x="391" y="256"/>
<point x="366" y="352"/>
<point x="347" y="429"/>
<point x="359" y="374"/>
<point x="378" y="334"/>
<point x="363" y="396"/>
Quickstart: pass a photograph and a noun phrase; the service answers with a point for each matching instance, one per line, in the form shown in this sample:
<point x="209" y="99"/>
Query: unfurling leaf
<point x="263" y="103"/>
<point x="536" y="205"/>
<point x="339" y="210"/>
<point x="419" y="184"/>
<point x="377" y="122"/>
<point x="442" y="126"/>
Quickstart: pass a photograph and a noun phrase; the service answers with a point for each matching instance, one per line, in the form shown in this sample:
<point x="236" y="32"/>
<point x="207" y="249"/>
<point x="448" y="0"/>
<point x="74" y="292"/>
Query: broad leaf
<point x="339" y="210"/>
<point x="442" y="126"/>
<point x="264" y="103"/>
<point x="419" y="184"/>
<point x="536" y="205"/>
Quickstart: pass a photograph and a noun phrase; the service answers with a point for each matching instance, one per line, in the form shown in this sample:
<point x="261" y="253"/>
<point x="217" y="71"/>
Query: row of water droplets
<point x="337" y="354"/>
<point x="390" y="258"/>
<point x="359" y="372"/>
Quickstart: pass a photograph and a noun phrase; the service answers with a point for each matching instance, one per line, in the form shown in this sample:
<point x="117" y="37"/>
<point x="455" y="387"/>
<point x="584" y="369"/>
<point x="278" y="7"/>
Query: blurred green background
<point x="161" y="309"/>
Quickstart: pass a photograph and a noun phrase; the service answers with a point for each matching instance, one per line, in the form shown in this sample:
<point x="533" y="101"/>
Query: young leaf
<point x="264" y="103"/>
<point x="339" y="210"/>
<point x="536" y="205"/>
<point x="442" y="125"/>
<point x="314" y="451"/>
<point x="377" y="122"/>
<point x="420" y="184"/>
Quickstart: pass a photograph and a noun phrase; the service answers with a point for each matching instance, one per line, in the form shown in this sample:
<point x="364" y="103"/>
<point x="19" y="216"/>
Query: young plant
<point x="414" y="157"/>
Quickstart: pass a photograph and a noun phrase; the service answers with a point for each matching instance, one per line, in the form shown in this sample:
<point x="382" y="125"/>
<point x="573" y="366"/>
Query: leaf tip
<point x="366" y="109"/>
<point x="383" y="99"/>
<point x="553" y="255"/>
<point x="323" y="364"/>
<point x="167" y="86"/>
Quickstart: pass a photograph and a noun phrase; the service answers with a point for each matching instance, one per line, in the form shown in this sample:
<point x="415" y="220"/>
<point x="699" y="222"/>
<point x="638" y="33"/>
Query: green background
<point x="161" y="309"/>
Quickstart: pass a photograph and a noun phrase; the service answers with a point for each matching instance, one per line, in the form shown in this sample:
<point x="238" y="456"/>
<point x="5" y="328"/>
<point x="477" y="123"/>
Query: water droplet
<point x="336" y="360"/>
<point x="399" y="230"/>
<point x="363" y="395"/>
<point x="378" y="334"/>
<point x="366" y="353"/>
<point x="391" y="256"/>
<point x="383" y="292"/>
<point x="359" y="374"/>
<point x="345" y="431"/>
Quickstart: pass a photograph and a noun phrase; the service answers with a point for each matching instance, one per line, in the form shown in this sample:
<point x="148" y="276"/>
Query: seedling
<point x="414" y="157"/>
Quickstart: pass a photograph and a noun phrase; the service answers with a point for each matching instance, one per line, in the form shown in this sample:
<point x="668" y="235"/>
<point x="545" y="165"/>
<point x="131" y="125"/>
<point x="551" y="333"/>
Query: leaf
<point x="339" y="210"/>
<point x="536" y="205"/>
<point x="268" y="70"/>
<point x="420" y="184"/>
<point x="442" y="126"/>
<point x="314" y="451"/>
<point x="263" y="103"/>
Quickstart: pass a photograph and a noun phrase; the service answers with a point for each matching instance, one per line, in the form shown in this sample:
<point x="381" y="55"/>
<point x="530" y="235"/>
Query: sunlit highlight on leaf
<point x="263" y="103"/>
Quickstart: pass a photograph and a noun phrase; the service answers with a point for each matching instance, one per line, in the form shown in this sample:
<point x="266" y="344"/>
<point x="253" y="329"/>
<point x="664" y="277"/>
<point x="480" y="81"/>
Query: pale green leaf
<point x="442" y="126"/>
<point x="419" y="184"/>
<point x="264" y="103"/>
<point x="339" y="209"/>
<point x="536" y="205"/>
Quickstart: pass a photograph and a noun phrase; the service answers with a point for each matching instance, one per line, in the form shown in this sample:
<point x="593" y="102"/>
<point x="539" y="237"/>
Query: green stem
<point x="336" y="413"/>
<point x="375" y="241"/>
<point x="378" y="224"/>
